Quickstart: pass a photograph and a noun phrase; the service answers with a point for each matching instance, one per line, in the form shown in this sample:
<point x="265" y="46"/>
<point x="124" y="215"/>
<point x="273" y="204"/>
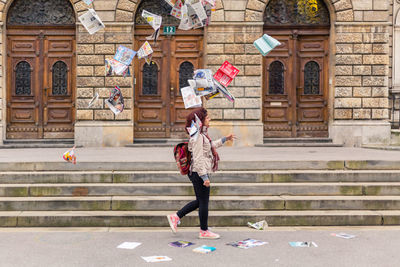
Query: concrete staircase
<point x="126" y="194"/>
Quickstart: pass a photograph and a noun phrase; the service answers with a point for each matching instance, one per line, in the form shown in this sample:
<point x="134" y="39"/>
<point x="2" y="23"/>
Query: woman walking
<point x="204" y="161"/>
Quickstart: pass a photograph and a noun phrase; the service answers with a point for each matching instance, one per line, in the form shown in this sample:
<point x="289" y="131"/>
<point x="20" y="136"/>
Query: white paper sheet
<point x="91" y="21"/>
<point x="156" y="258"/>
<point x="129" y="245"/>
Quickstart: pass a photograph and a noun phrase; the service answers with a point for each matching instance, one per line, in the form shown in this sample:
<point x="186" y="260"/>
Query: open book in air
<point x="265" y="44"/>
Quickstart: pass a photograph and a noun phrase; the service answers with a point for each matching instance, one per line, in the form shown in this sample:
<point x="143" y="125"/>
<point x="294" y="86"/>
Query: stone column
<point x="230" y="38"/>
<point x="98" y="126"/>
<point x="361" y="76"/>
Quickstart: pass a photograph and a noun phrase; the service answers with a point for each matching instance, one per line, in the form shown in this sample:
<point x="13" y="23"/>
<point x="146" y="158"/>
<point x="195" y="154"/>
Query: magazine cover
<point x="115" y="67"/>
<point x="124" y="55"/>
<point x="116" y="101"/>
<point x="177" y="10"/>
<point x="145" y="50"/>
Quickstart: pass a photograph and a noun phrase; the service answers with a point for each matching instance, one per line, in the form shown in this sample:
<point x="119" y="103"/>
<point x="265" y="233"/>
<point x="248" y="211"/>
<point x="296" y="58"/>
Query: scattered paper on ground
<point x="247" y="243"/>
<point x="303" y="244"/>
<point x="204" y="249"/>
<point x="156" y="258"/>
<point x="261" y="225"/>
<point x="343" y="235"/>
<point x="129" y="245"/>
<point x="180" y="244"/>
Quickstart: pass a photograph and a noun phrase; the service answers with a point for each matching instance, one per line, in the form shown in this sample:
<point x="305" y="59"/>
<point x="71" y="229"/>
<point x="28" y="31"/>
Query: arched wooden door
<point x="295" y="90"/>
<point x="159" y="108"/>
<point x="40" y="69"/>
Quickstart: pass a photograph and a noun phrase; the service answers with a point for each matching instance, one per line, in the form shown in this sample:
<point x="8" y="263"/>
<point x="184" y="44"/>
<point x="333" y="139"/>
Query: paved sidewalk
<point x="372" y="246"/>
<point x="164" y="154"/>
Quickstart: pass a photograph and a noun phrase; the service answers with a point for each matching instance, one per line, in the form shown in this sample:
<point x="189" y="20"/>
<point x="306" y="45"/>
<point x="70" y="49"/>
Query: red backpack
<point x="183" y="157"/>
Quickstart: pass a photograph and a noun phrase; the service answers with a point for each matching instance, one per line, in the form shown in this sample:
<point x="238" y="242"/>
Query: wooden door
<point x="40" y="83"/>
<point x="296" y="84"/>
<point x="159" y="108"/>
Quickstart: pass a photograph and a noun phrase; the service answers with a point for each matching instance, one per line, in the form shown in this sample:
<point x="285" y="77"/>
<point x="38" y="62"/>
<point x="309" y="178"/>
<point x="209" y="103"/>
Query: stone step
<point x="299" y="144"/>
<point x="216" y="218"/>
<point x="132" y="203"/>
<point x="170" y="165"/>
<point x="298" y="140"/>
<point x="267" y="176"/>
<point x="185" y="189"/>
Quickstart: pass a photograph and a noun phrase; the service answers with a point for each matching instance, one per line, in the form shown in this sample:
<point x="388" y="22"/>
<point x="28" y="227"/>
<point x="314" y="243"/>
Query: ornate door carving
<point x="159" y="108"/>
<point x="296" y="73"/>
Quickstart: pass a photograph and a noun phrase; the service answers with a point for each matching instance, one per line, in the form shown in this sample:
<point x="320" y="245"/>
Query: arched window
<point x="23" y="78"/>
<point x="41" y="12"/>
<point x="276" y="78"/>
<point x="186" y="71"/>
<point x="60" y="78"/>
<point x="311" y="78"/>
<point x="158" y="7"/>
<point x="296" y="12"/>
<point x="150" y="79"/>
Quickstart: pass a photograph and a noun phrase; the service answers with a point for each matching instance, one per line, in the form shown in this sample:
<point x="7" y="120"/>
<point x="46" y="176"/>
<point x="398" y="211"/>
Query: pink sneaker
<point x="208" y="235"/>
<point x="173" y="220"/>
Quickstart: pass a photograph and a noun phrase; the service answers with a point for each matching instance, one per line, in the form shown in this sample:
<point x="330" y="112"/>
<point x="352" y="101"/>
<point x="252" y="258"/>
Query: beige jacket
<point x="202" y="158"/>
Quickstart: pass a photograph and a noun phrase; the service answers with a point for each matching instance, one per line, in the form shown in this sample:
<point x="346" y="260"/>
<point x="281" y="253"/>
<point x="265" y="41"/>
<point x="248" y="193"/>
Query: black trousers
<point x="202" y="198"/>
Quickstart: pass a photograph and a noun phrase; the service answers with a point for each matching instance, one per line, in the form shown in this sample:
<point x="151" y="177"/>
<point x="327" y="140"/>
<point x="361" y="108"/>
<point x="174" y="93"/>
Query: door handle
<point x="172" y="89"/>
<point x="45" y="90"/>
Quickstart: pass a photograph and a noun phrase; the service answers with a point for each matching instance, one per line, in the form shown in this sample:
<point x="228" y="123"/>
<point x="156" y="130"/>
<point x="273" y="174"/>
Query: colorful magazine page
<point x="69" y="156"/>
<point x="88" y="2"/>
<point x="153" y="19"/>
<point x="203" y="78"/>
<point x="116" y="101"/>
<point x="211" y="95"/>
<point x="171" y="2"/>
<point x="124" y="55"/>
<point x="204" y="249"/>
<point x="91" y="21"/>
<point x="185" y="23"/>
<point x="145" y="50"/>
<point x="156" y="258"/>
<point x="343" y="235"/>
<point x="115" y="67"/>
<point x="266" y="44"/>
<point x="247" y="243"/>
<point x="94" y="99"/>
<point x="194" y="20"/>
<point x="177" y="10"/>
<point x="190" y="99"/>
<point x="226" y="73"/>
<point x="180" y="244"/>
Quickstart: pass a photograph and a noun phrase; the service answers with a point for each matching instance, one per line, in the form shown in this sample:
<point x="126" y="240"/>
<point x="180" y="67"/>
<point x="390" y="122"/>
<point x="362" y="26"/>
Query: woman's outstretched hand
<point x="231" y="137"/>
<point x="206" y="183"/>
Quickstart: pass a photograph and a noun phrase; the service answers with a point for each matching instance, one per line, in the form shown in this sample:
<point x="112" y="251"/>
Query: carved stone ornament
<point x="296" y="12"/>
<point x="41" y="12"/>
<point x="157" y="7"/>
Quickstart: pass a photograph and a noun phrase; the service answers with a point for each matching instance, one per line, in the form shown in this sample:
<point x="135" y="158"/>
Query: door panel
<point x="48" y="111"/>
<point x="299" y="109"/>
<point x="278" y="98"/>
<point x="312" y="92"/>
<point x="161" y="114"/>
<point x="23" y="99"/>
<point x="58" y="94"/>
<point x="185" y="59"/>
<point x="150" y="93"/>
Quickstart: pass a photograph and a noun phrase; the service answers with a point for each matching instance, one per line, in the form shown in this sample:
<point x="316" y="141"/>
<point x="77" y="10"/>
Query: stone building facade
<point x="349" y="57"/>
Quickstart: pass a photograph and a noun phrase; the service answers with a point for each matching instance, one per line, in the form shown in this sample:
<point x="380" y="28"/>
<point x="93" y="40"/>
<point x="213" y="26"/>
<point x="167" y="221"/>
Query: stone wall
<point x="359" y="75"/>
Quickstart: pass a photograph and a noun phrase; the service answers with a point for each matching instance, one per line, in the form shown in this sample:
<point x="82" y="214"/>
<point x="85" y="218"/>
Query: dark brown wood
<point x="162" y="115"/>
<point x="41" y="114"/>
<point x="295" y="114"/>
